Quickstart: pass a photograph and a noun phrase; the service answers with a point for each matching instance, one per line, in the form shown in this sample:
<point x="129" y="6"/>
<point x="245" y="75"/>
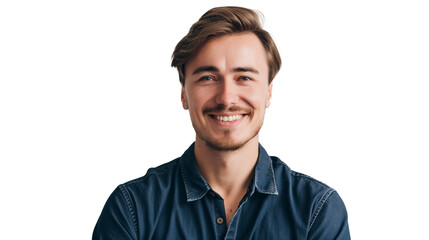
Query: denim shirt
<point x="173" y="201"/>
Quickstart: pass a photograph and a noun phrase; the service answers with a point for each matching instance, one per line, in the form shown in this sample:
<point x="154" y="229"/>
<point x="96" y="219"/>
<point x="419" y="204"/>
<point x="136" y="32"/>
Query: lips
<point x="227" y="116"/>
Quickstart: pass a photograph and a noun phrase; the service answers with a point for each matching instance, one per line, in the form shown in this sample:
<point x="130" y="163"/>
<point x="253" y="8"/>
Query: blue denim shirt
<point x="173" y="201"/>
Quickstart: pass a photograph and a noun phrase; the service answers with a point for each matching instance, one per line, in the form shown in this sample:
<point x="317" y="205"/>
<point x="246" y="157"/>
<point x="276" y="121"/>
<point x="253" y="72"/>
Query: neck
<point x="227" y="172"/>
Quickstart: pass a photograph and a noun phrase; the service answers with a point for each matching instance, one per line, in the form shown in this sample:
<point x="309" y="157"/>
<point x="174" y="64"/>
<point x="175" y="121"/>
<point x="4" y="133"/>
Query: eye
<point x="244" y="78"/>
<point x="206" y="78"/>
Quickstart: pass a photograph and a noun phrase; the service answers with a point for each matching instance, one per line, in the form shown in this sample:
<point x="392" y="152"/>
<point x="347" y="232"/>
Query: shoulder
<point x="325" y="211"/>
<point x="156" y="173"/>
<point x="304" y="191"/>
<point x="288" y="176"/>
<point x="299" y="186"/>
<point x="130" y="202"/>
<point x="157" y="177"/>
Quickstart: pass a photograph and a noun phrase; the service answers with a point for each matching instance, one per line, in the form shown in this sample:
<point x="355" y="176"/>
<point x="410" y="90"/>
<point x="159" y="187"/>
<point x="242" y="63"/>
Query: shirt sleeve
<point x="331" y="222"/>
<point x="117" y="220"/>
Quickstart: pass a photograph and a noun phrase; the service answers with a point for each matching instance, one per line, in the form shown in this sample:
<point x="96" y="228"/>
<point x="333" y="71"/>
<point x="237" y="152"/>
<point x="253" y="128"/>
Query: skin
<point x="228" y="77"/>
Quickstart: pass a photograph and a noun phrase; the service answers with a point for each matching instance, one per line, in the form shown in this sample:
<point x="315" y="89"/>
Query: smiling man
<point x="225" y="186"/>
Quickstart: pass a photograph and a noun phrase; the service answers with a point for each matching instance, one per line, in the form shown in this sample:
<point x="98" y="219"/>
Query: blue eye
<point x="243" y="78"/>
<point x="206" y="78"/>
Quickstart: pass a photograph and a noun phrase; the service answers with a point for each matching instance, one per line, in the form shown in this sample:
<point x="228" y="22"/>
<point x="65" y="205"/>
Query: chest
<point x="258" y="217"/>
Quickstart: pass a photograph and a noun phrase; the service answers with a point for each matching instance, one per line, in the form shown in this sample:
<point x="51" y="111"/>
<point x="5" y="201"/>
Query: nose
<point x="227" y="93"/>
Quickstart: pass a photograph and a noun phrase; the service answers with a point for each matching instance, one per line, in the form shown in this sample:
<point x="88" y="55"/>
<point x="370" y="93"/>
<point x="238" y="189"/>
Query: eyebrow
<point x="205" y="69"/>
<point x="245" y="69"/>
<point x="215" y="69"/>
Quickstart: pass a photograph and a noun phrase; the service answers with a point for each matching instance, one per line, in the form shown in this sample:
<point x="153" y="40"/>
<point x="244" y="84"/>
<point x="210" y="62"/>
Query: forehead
<point x="229" y="52"/>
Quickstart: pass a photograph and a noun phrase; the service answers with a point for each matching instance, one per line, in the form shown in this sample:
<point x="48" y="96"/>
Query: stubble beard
<point x="219" y="145"/>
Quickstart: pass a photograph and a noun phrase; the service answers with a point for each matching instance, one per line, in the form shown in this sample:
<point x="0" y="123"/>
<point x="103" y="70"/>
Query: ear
<point x="184" y="99"/>
<point x="269" y="95"/>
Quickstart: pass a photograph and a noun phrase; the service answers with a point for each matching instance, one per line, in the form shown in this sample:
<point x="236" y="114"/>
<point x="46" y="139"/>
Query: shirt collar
<point x="264" y="179"/>
<point x="196" y="186"/>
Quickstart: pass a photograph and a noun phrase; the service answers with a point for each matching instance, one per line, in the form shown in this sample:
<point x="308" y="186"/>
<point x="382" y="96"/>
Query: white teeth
<point x="228" y="118"/>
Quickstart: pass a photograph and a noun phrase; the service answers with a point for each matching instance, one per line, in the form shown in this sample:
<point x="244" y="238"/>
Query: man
<point x="225" y="186"/>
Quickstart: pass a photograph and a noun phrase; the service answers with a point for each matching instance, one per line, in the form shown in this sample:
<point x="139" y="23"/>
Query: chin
<point x="218" y="146"/>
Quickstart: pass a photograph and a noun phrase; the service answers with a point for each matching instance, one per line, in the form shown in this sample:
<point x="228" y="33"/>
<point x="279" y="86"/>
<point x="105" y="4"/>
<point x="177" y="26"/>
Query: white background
<point x="88" y="100"/>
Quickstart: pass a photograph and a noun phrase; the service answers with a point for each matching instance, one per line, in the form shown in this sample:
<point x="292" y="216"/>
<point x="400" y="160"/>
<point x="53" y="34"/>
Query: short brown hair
<point x="218" y="22"/>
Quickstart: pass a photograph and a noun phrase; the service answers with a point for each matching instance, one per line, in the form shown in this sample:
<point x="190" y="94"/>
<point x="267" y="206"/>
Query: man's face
<point x="226" y="90"/>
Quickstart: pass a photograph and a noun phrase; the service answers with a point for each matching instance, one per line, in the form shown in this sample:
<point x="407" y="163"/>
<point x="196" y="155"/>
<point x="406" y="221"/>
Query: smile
<point x="228" y="118"/>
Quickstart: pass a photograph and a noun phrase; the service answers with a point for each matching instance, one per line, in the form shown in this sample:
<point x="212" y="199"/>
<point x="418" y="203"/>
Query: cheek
<point x="257" y="98"/>
<point x="197" y="99"/>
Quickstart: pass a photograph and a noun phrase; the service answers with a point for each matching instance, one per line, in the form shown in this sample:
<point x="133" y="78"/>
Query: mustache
<point x="222" y="108"/>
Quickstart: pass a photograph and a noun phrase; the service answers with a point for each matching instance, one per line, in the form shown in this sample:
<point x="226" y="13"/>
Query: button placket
<point x="219" y="217"/>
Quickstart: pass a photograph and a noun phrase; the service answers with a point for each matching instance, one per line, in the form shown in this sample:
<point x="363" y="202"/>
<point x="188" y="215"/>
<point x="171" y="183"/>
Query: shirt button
<point x="212" y="194"/>
<point x="219" y="220"/>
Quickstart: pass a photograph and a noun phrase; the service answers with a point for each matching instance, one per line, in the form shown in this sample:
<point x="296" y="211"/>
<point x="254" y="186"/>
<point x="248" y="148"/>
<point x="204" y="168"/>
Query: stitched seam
<point x="198" y="197"/>
<point x="126" y="195"/>
<point x="273" y="178"/>
<point x="185" y="180"/>
<point x="319" y="207"/>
